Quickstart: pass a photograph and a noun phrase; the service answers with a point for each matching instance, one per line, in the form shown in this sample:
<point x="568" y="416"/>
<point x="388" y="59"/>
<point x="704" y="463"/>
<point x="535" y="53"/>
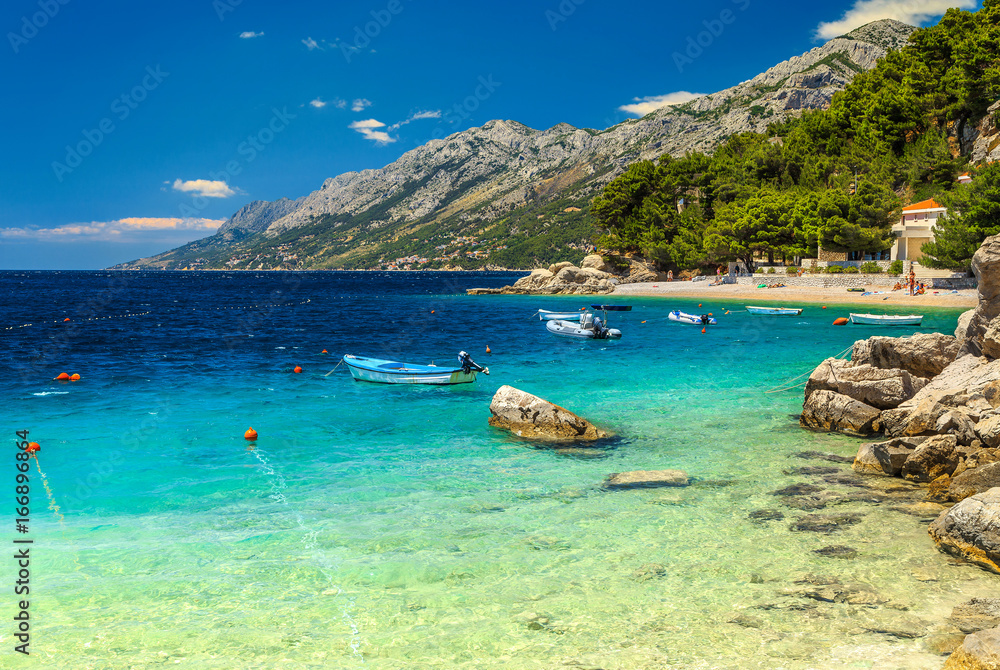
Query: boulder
<point x="979" y="651"/>
<point x="974" y="481"/>
<point x="988" y="430"/>
<point x="986" y="267"/>
<point x="922" y="354"/>
<point x="963" y="325"/>
<point x="596" y="262"/>
<point x="529" y="416"/>
<point x="960" y="385"/>
<point x="971" y="530"/>
<point x="991" y="339"/>
<point x="556" y="267"/>
<point x="885" y="458"/>
<point x="991" y="393"/>
<point x="827" y="410"/>
<point x="878" y="387"/>
<point x="646" y="479"/>
<point x="934" y="457"/>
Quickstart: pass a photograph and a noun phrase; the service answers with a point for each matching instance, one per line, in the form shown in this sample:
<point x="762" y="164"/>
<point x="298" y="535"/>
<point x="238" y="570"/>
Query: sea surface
<point x="379" y="526"/>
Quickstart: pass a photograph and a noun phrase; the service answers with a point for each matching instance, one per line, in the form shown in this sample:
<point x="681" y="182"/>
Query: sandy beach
<point x="965" y="298"/>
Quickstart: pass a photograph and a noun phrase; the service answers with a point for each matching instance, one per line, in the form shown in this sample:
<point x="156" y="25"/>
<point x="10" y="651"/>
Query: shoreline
<point x="958" y="299"/>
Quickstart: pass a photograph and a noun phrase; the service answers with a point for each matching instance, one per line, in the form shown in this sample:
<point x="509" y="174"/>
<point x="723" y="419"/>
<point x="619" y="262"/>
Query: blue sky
<point x="133" y="127"/>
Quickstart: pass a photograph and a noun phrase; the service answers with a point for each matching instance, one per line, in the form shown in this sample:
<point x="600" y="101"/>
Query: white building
<point x="915" y="228"/>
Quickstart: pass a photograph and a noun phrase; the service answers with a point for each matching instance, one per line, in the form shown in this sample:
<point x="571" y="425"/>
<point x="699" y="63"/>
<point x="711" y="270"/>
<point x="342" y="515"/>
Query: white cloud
<point x="367" y="128"/>
<point x="311" y="44"/>
<point x="318" y="104"/>
<point x="359" y="104"/>
<point x="206" y="188"/>
<point x="249" y="34"/>
<point x="914" y="12"/>
<point x="430" y="114"/>
<point x="340" y="104"/>
<point x="643" y="106"/>
<point x="130" y="229"/>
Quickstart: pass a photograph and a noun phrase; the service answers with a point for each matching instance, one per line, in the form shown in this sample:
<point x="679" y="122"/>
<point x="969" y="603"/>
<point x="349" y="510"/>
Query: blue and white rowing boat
<point x="394" y="372"/>
<point x="887" y="319"/>
<point x="775" y="311"/>
<point x="546" y="315"/>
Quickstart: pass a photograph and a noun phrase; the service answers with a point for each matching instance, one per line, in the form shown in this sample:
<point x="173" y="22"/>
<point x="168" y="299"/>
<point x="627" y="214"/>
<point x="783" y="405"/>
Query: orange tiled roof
<point x="923" y="204"/>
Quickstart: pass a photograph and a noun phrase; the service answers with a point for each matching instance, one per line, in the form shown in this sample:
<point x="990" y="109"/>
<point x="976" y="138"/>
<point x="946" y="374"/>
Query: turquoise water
<point x="372" y="526"/>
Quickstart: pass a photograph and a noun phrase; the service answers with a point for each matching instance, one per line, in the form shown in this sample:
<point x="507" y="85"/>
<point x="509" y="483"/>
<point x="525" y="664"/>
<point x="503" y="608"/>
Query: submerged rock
<point x="640" y="479"/>
<point x="825" y="523"/>
<point x="527" y="415"/>
<point x="885" y="458"/>
<point x="971" y="530"/>
<point x="837" y="551"/>
<point x="976" y="614"/>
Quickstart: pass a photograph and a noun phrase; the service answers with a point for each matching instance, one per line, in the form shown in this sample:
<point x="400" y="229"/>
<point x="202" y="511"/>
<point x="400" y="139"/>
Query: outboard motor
<point x="468" y="365"/>
<point x="704" y="319"/>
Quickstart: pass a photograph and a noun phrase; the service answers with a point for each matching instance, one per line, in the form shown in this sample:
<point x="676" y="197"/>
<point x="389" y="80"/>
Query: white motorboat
<point x="887" y="319"/>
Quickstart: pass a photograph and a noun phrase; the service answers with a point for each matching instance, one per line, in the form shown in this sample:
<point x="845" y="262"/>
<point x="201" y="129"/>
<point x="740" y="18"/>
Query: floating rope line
<point x="786" y="385"/>
<point x="48" y="491"/>
<point x="134" y="314"/>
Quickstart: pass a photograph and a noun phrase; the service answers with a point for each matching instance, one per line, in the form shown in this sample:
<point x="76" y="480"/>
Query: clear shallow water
<point x="385" y="527"/>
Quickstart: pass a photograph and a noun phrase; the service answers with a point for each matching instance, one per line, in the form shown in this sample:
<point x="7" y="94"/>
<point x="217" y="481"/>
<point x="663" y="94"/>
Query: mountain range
<point x="504" y="195"/>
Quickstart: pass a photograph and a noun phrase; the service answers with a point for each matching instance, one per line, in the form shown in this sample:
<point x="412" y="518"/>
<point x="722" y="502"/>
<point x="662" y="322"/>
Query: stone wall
<point x="851" y="281"/>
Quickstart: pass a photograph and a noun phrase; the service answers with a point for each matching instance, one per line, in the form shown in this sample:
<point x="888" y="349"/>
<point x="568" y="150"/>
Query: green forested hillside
<point x="834" y="178"/>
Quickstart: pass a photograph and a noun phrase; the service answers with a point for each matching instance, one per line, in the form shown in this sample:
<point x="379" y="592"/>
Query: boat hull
<point x="775" y="311"/>
<point x="886" y="319"/>
<point x="545" y="315"/>
<point x="570" y="329"/>
<point x="690" y="319"/>
<point x="393" y="372"/>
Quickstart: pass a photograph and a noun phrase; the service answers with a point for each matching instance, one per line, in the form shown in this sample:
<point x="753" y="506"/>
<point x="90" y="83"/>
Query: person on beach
<point x="913" y="280"/>
<point x="670" y="275"/>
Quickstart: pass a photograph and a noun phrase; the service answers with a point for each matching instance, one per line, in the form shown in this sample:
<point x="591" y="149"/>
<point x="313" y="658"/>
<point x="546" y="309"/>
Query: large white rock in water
<point x="971" y="530"/>
<point x="529" y="416"/>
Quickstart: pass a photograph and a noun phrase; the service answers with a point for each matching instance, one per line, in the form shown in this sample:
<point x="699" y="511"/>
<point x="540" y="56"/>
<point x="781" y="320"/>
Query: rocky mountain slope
<point x="503" y="194"/>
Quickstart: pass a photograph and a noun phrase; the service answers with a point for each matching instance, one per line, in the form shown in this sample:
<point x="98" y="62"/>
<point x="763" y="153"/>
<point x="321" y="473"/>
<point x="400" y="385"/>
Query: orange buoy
<point x="324" y="352"/>
<point x="842" y="321"/>
<point x="297" y="369"/>
<point x="251" y="434"/>
<point x="64" y="321"/>
<point x="488" y="350"/>
<point x="74" y="378"/>
<point x="432" y="311"/>
<point x="33" y="447"/>
<point x="710" y="314"/>
<point x="644" y="322"/>
<point x="699" y="304"/>
<point x="63" y="377"/>
<point x="703" y="330"/>
<point x="824" y="306"/>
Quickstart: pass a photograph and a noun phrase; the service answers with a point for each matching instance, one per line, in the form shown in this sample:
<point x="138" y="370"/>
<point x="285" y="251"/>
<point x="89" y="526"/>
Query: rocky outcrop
<point x="986" y="147"/>
<point x="529" y="416"/>
<point x="979" y="651"/>
<point x="931" y="459"/>
<point x="986" y="266"/>
<point x="971" y="530"/>
<point x="885" y="458"/>
<point x="830" y="411"/>
<point x="595" y="276"/>
<point x="976" y="614"/>
<point x="875" y="386"/>
<point x="644" y="479"/>
<point x="974" y="481"/>
<point x="922" y="354"/>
